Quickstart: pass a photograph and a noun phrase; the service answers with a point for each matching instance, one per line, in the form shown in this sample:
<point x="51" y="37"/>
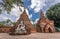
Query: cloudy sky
<point x="33" y="8"/>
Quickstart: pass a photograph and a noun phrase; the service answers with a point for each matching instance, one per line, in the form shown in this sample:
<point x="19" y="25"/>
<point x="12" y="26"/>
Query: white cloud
<point x="3" y="17"/>
<point x="1" y="1"/>
<point x="56" y="1"/>
<point x="53" y="2"/>
<point x="15" y="11"/>
<point x="37" y="5"/>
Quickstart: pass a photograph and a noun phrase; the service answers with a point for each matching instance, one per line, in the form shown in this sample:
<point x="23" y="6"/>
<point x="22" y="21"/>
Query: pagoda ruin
<point x="24" y="21"/>
<point x="44" y="24"/>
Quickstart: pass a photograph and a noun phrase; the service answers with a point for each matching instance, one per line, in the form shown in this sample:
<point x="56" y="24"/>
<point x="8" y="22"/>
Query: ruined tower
<point x="26" y="22"/>
<point x="42" y="15"/>
<point x="41" y="22"/>
<point x="24" y="17"/>
<point x="44" y="24"/>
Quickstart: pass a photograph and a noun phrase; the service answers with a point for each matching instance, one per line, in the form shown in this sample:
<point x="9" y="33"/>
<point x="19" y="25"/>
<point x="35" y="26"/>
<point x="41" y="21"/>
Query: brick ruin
<point x="5" y="29"/>
<point x="44" y="24"/>
<point x="24" y="17"/>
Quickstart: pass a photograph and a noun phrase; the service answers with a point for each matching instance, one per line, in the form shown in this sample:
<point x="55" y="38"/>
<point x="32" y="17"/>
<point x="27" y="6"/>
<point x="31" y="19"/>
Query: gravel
<point x="31" y="36"/>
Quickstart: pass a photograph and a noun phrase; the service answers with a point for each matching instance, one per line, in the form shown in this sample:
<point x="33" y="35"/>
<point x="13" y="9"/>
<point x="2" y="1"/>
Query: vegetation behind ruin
<point x="53" y="13"/>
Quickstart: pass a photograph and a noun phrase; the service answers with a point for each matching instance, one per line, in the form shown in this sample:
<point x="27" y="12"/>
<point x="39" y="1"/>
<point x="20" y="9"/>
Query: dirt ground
<point x="31" y="36"/>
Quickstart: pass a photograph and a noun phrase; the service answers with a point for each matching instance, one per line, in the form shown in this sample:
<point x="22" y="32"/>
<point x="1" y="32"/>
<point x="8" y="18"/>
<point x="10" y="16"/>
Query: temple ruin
<point x="44" y="24"/>
<point x="24" y="26"/>
<point x="25" y="22"/>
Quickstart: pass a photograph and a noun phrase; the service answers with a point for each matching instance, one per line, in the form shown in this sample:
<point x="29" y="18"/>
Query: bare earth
<point x="31" y="36"/>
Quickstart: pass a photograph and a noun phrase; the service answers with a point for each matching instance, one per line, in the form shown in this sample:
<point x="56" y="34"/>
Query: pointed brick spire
<point x="41" y="14"/>
<point x="24" y="17"/>
<point x="24" y="12"/>
<point x="45" y="22"/>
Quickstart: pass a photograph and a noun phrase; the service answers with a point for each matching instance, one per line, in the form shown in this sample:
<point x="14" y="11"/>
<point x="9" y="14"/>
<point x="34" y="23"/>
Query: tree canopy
<point x="53" y="13"/>
<point x="8" y="4"/>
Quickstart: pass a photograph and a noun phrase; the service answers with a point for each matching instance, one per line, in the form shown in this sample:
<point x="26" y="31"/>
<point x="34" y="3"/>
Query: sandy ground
<point x="31" y="36"/>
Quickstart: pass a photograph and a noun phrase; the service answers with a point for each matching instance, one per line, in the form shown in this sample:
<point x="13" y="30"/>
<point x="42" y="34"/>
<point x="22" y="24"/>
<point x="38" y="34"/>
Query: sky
<point x="33" y="8"/>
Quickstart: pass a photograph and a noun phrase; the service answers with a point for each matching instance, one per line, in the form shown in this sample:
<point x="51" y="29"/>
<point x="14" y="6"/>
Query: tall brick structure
<point x="44" y="24"/>
<point x="41" y="23"/>
<point x="24" y="17"/>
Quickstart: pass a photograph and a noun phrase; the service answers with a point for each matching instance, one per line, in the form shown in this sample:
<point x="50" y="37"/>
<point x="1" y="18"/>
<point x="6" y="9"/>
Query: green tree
<point x="8" y="20"/>
<point x="8" y="4"/>
<point x="53" y="13"/>
<point x="1" y="25"/>
<point x="0" y="11"/>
